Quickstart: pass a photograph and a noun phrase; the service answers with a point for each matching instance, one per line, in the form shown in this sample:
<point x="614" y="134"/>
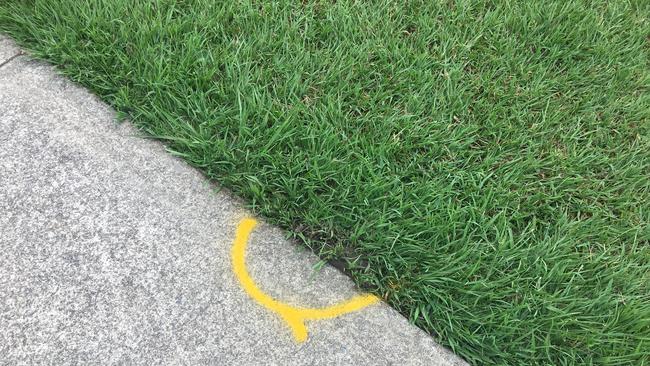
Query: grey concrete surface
<point x="113" y="251"/>
<point x="7" y="49"/>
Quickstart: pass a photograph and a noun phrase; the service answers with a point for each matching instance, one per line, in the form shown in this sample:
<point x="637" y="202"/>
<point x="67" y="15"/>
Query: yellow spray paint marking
<point x="294" y="316"/>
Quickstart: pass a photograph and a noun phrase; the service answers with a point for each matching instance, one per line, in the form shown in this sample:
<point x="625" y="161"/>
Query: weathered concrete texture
<point x="8" y="49"/>
<point x="113" y="251"/>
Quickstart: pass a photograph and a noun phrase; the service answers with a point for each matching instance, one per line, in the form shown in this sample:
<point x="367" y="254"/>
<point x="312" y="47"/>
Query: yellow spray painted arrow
<point x="294" y="316"/>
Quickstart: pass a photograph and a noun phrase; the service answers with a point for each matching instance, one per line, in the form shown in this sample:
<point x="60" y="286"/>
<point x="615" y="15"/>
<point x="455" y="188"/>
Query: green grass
<point x="484" y="166"/>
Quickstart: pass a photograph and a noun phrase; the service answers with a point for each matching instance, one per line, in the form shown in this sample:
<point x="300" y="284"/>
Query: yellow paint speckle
<point x="294" y="316"/>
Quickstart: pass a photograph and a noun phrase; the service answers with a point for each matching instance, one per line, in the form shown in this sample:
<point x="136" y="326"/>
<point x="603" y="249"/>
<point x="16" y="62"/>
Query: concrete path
<point x="113" y="251"/>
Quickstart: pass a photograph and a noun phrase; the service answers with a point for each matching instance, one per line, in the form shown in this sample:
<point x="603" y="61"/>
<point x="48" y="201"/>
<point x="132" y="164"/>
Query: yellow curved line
<point x="294" y="316"/>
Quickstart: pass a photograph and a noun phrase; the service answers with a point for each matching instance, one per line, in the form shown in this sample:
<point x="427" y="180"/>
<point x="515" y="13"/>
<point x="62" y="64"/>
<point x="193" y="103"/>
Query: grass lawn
<point x="483" y="166"/>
